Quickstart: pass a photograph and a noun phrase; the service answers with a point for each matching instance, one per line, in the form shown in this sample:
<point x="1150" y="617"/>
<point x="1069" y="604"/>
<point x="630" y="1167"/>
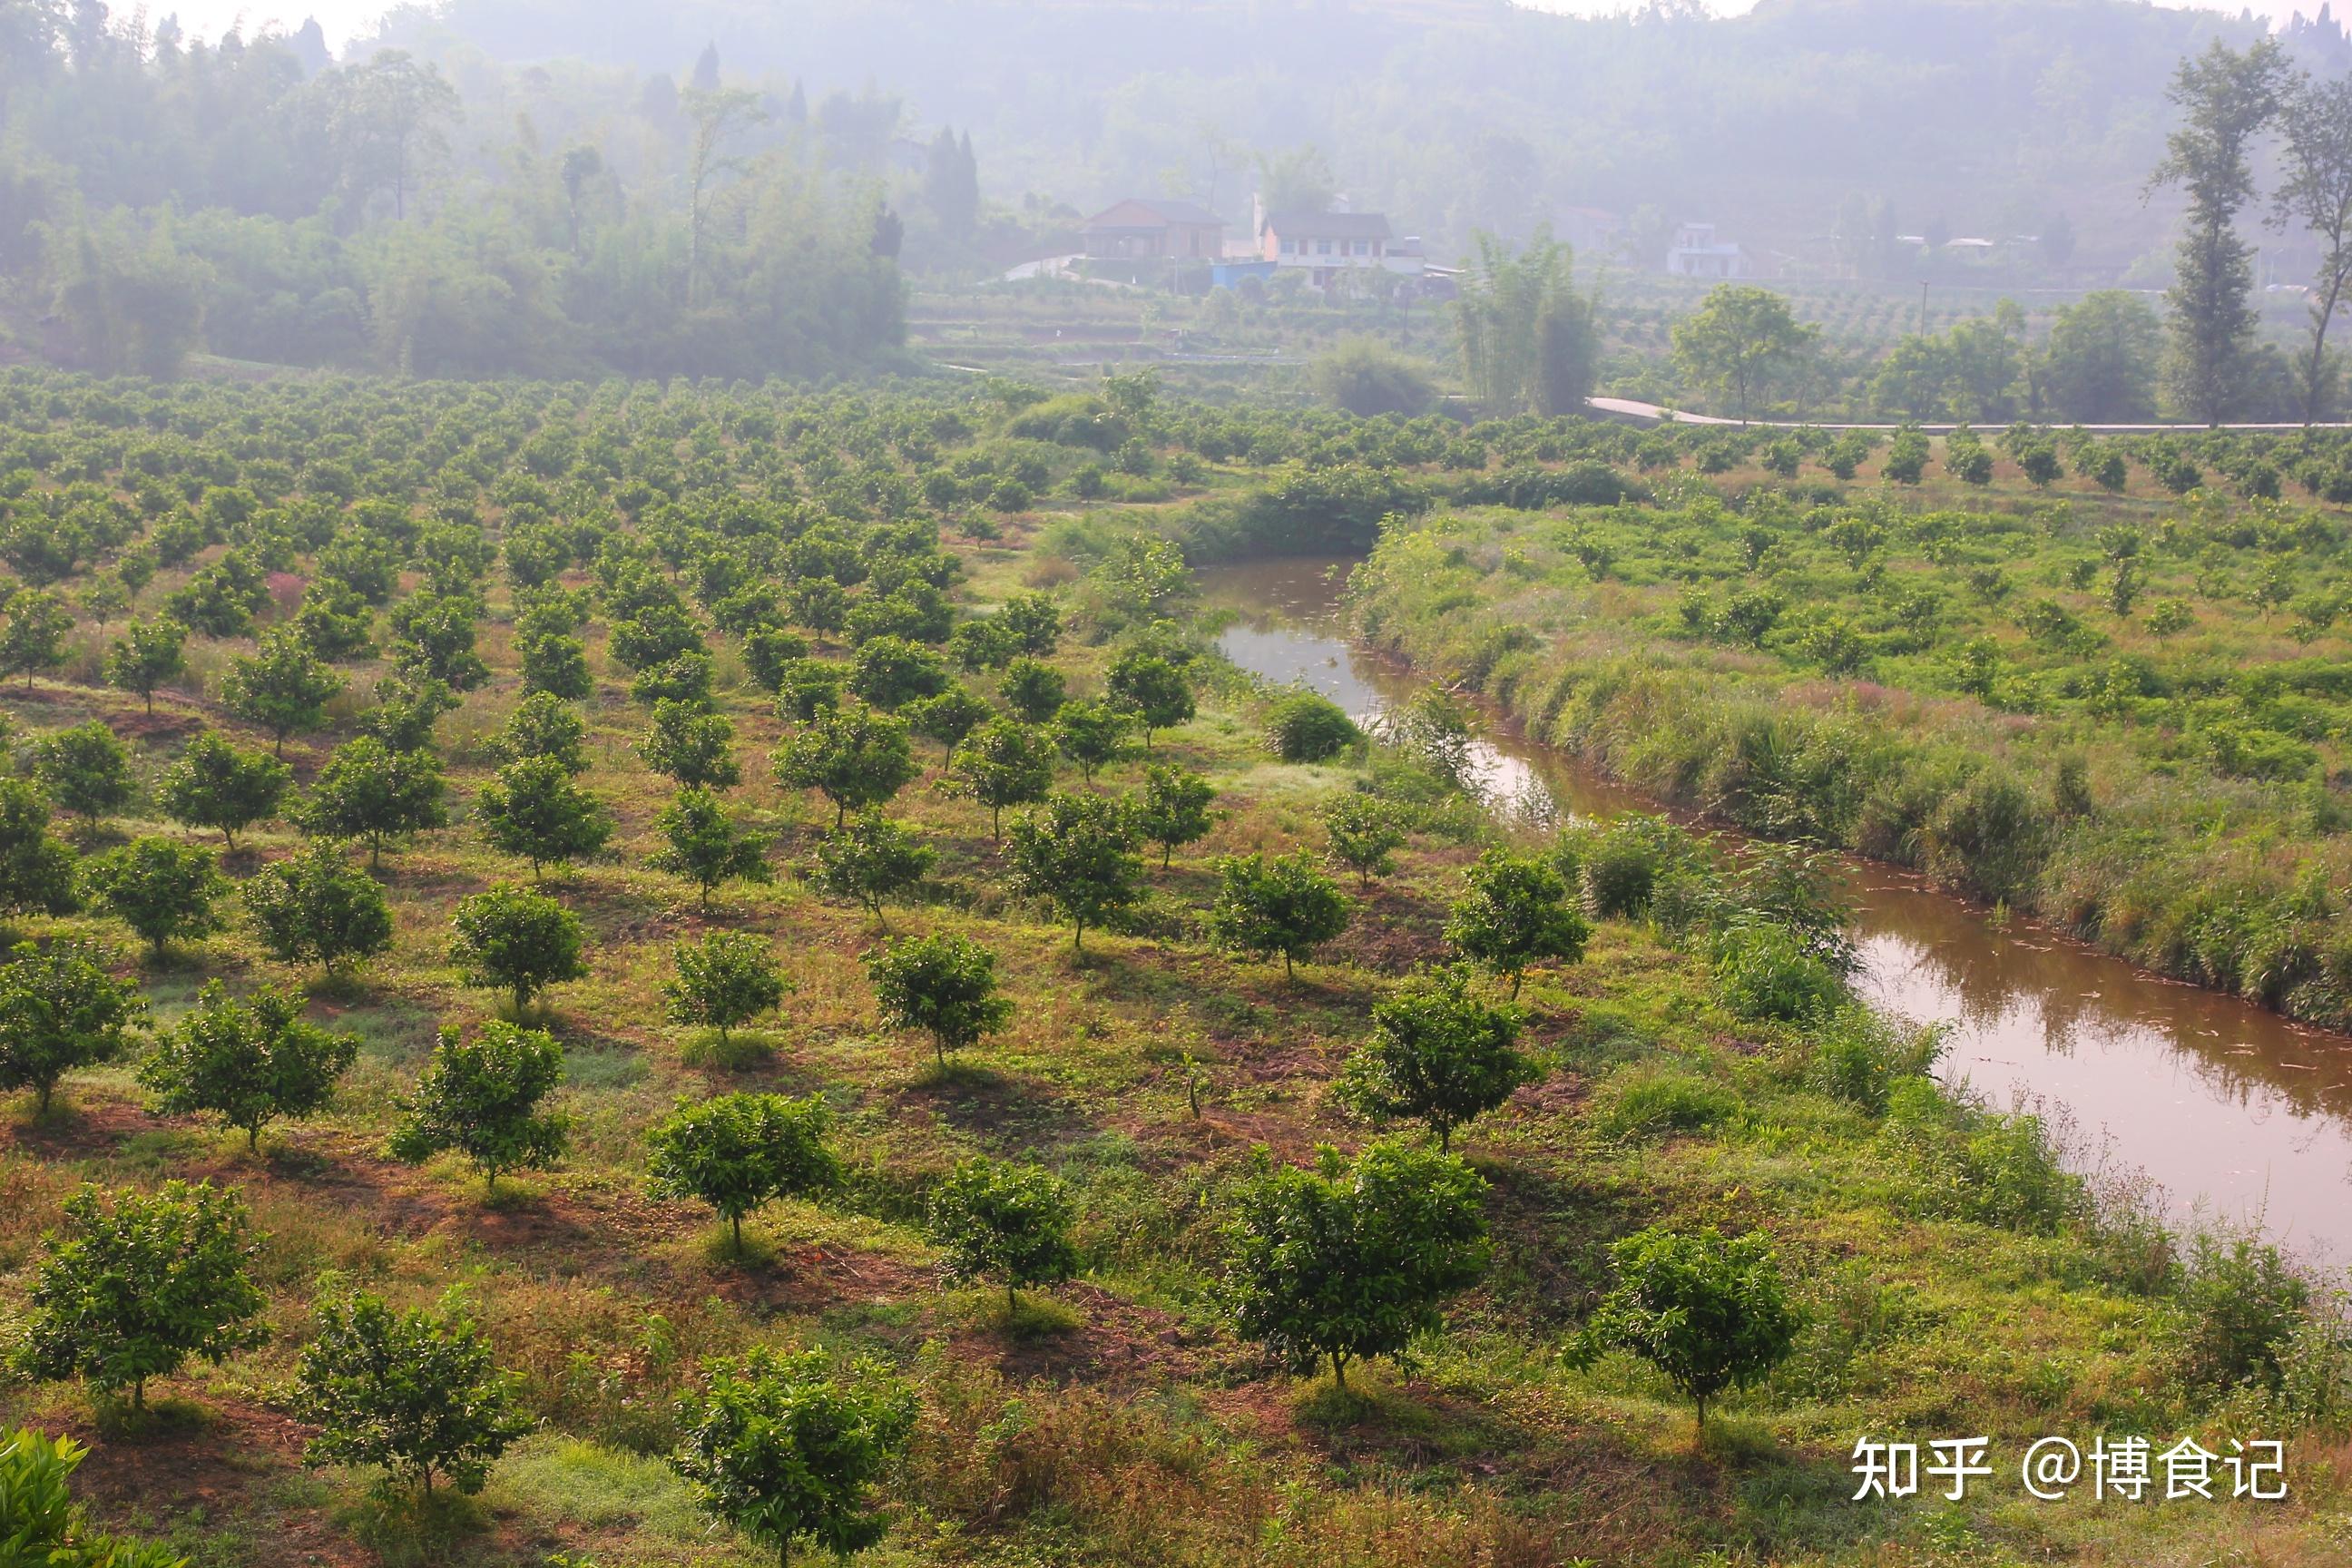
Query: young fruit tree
<point x="1352" y="1260"/>
<point x="369" y="792"/>
<point x="248" y="1063"/>
<point x="1076" y="853"/>
<point x="695" y="749"/>
<point x="1034" y="690"/>
<point x="215" y="786"/>
<point x="705" y="847"/>
<point x="1003" y="762"/>
<point x="1174" y="810"/>
<point x="949" y="717"/>
<point x="480" y="1099"/>
<point x="737" y="1151"/>
<point x="1711" y="1312"/>
<point x="136" y="1283"/>
<point x="148" y="654"/>
<point x="517" y="940"/>
<point x="37" y="873"/>
<point x="162" y="890"/>
<point x="534" y="811"/>
<point x="60" y="1009"/>
<point x="855" y="757"/>
<point x="315" y="906"/>
<point x="723" y="981"/>
<point x="1365" y="833"/>
<point x="544" y="725"/>
<point x="281" y="688"/>
<point x="417" y="1393"/>
<point x="1437" y="1055"/>
<point x="1092" y="735"/>
<point x="944" y="984"/>
<point x="85" y="769"/>
<point x="871" y="861"/>
<point x="1282" y="908"/>
<point x="1009" y="1223"/>
<point x="1516" y="912"/>
<point x="782" y="1446"/>
<point x="1154" y="690"/>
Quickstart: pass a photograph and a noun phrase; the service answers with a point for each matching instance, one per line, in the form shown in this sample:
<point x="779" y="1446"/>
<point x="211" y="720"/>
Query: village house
<point x="1139" y="229"/>
<point x="1698" y="253"/>
<point x="1325" y="245"/>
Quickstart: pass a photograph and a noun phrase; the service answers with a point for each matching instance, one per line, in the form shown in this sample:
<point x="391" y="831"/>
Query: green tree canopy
<point x="1738" y="340"/>
<point x="1284" y="908"/>
<point x="782" y="1446"/>
<point x="417" y="1393"/>
<point x="1515" y="911"/>
<point x="517" y="940"/>
<point x="1351" y="1260"/>
<point x="315" y="906"/>
<point x="1076" y="853"/>
<point x="856" y="757"/>
<point x="60" y="1008"/>
<point x="944" y="984"/>
<point x="704" y="846"/>
<point x="1438" y="1055"/>
<point x="134" y="1284"/>
<point x="249" y="1063"/>
<point x="995" y="1220"/>
<point x="480" y="1099"/>
<point x="1712" y="1313"/>
<point x="724" y="980"/>
<point x="739" y="1151"/>
<point x="215" y="786"/>
<point x="165" y="891"/>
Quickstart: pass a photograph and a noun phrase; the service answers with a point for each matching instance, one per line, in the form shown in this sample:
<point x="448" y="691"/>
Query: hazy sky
<point x="210" y="19"/>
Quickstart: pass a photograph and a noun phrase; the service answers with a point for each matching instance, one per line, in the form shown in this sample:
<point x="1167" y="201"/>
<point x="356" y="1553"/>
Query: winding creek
<point x="2230" y="1108"/>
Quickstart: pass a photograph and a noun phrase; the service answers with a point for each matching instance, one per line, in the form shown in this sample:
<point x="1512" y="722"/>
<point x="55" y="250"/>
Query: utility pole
<point x="1923" y="307"/>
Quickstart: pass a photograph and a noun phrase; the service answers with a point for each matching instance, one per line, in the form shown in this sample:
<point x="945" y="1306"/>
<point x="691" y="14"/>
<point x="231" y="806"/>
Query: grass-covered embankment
<point x="2127" y="719"/>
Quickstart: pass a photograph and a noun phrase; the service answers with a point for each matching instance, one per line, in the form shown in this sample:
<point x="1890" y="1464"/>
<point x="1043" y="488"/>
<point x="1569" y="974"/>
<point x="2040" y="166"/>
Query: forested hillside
<point x="1456" y="115"/>
<point x="161" y="193"/>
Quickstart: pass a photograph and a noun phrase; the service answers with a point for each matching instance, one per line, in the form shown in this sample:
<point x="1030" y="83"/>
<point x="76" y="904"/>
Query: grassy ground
<point x="1115" y="1420"/>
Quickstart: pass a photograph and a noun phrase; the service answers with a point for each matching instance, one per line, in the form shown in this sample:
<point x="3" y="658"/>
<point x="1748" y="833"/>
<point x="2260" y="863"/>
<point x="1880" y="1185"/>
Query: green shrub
<point x="1306" y="727"/>
<point x="1764" y="974"/>
<point x="2239" y="1304"/>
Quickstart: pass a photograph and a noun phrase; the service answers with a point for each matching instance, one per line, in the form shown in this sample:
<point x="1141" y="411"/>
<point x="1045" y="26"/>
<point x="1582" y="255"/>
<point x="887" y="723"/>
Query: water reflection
<point x="2221" y="1102"/>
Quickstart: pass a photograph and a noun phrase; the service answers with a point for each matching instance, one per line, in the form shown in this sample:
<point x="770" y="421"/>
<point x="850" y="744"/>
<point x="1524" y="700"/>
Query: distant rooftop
<point x="1329" y="225"/>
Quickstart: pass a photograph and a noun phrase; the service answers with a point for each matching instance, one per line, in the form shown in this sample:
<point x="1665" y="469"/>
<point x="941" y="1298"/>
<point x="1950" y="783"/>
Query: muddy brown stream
<point x="2230" y="1108"/>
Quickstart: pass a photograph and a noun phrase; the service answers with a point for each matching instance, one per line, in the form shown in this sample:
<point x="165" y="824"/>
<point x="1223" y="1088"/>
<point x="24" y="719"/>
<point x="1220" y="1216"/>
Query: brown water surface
<point x="2230" y="1109"/>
